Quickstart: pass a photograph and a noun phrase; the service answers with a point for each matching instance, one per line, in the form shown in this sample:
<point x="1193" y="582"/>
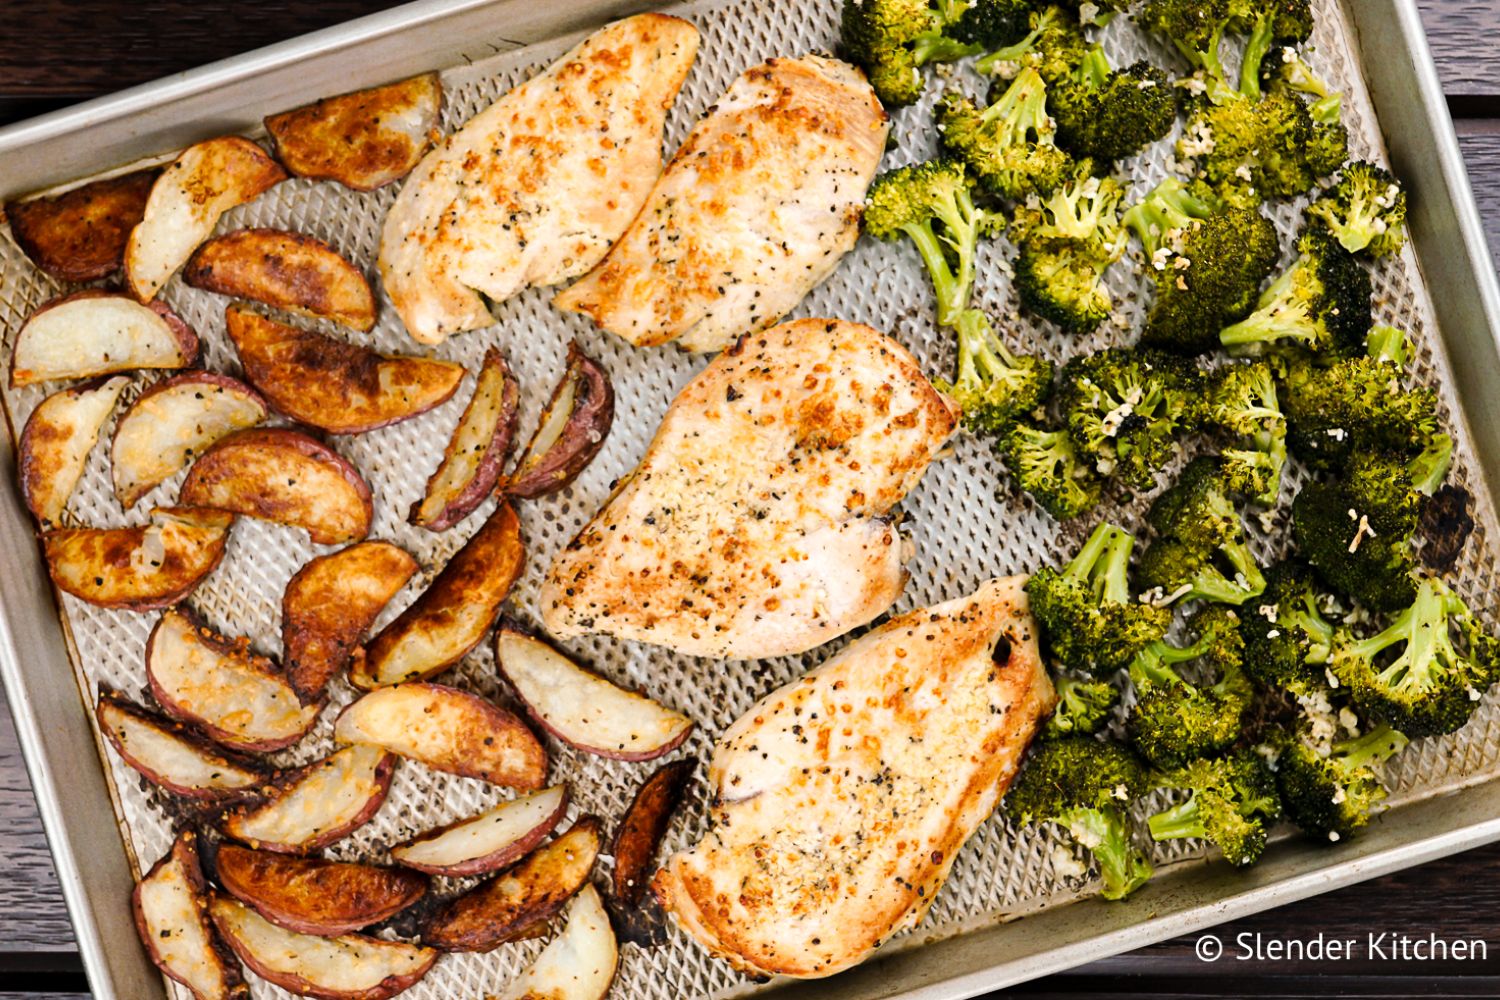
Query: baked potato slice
<point x="94" y="332"/>
<point x="571" y="431"/>
<point x="534" y="890"/>
<point x="56" y="442"/>
<point x="317" y="804"/>
<point x="172" y="918"/>
<point x="340" y="387"/>
<point x="171" y="422"/>
<point x="362" y="140"/>
<point x="172" y="756"/>
<point x="240" y="699"/>
<point x="314" y="895"/>
<point x="80" y="235"/>
<point x="186" y="202"/>
<point x="143" y="568"/>
<point x="476" y="452"/>
<point x="286" y="477"/>
<point x="581" y="708"/>
<point x="578" y="964"/>
<point x="453" y="614"/>
<point x="489" y="841"/>
<point x="449" y="730"/>
<point x="642" y="827"/>
<point x="291" y="271"/>
<point x="349" y="967"/>
<point x="329" y="604"/>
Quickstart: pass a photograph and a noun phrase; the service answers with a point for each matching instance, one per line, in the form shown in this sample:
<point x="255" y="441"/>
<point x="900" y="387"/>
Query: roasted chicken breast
<point x="756" y="208"/>
<point x="535" y="188"/>
<point x="843" y="798"/>
<point x="756" y="523"/>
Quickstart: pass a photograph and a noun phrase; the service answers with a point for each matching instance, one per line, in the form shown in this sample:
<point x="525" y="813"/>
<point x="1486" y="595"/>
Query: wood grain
<point x="1462" y="34"/>
<point x="1481" y="149"/>
<point x="32" y="916"/>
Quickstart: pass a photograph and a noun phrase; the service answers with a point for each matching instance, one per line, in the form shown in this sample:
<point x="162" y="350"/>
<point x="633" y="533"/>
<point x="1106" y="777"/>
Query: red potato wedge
<point x="238" y="698"/>
<point x="328" y="606"/>
<point x="447" y="729"/>
<point x="315" y="896"/>
<point x="286" y="477"/>
<point x="174" y="420"/>
<point x="362" y="140"/>
<point x="454" y="612"/>
<point x="489" y="841"/>
<point x="171" y="755"/>
<point x="327" y="383"/>
<point x="350" y="967"/>
<point x="571" y="431"/>
<point x="644" y="824"/>
<point x="143" y="568"/>
<point x="186" y="201"/>
<point x="476" y="452"/>
<point x="486" y="917"/>
<point x="94" y="332"/>
<point x="172" y="918"/>
<point x="318" y="804"/>
<point x="578" y="964"/>
<point x="56" y="443"/>
<point x="80" y="235"/>
<point x="583" y="709"/>
<point x="290" y="271"/>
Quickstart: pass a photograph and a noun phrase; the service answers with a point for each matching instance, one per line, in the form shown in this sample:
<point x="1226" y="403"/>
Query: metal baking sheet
<point x="965" y="519"/>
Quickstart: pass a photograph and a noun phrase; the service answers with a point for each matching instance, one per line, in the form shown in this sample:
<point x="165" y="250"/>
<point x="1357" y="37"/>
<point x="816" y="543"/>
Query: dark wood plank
<point x="31" y="905"/>
<point x="1480" y="142"/>
<point x="1461" y="33"/>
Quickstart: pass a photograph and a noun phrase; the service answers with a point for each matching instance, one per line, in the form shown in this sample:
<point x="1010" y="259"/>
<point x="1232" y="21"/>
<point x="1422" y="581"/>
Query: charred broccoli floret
<point x="1200" y="550"/>
<point x="1285" y="70"/>
<point x="1365" y="210"/>
<point x="1083" y="707"/>
<point x="1231" y="802"/>
<point x="994" y="386"/>
<point x="1046" y="464"/>
<point x="1125" y="409"/>
<point x="892" y="39"/>
<point x="1054" y="46"/>
<point x="1109" y="114"/>
<point x="1253" y="150"/>
<point x="1330" y="791"/>
<point x="1196" y="28"/>
<point x="1089" y="619"/>
<point x="1009" y="146"/>
<point x="1067" y="241"/>
<point x="1336" y="538"/>
<point x="1241" y="401"/>
<point x="1084" y="785"/>
<point x="1320" y="304"/>
<point x="1287" y="637"/>
<point x="1175" y="721"/>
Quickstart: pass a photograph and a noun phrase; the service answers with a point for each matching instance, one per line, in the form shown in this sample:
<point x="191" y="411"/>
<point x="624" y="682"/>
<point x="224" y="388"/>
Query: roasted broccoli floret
<point x="1046" y="464"/>
<point x="1329" y="791"/>
<point x="1249" y="151"/>
<point x="1284" y="70"/>
<point x="1196" y="28"/>
<point x="1083" y="707"/>
<point x="1054" y="46"/>
<point x="1109" y="114"/>
<point x="1085" y="785"/>
<point x="1365" y="210"/>
<point x="1067" y="241"/>
<point x="1009" y="146"/>
<point x="994" y="386"/>
<point x="1200" y="551"/>
<point x="892" y="39"/>
<point x="1287" y="636"/>
<point x="1232" y="800"/>
<point x="1320" y="304"/>
<point x="1125" y="409"/>
<point x="1175" y="721"/>
<point x="1336" y="538"/>
<point x="1241" y="401"/>
<point x="1278" y="26"/>
<point x="1089" y="619"/>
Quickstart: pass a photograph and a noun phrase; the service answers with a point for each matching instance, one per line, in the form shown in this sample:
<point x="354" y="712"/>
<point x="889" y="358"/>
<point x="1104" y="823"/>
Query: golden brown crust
<point x="643" y="825"/>
<point x="117" y="568"/>
<point x="182" y="866"/>
<point x="291" y="271"/>
<point x="314" y="895"/>
<point x="80" y="235"/>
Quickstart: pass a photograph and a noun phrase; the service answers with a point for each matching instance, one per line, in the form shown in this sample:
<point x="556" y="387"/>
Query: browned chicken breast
<point x="535" y="188"/>
<point x="843" y="798"/>
<point x="756" y="523"/>
<point x="756" y="208"/>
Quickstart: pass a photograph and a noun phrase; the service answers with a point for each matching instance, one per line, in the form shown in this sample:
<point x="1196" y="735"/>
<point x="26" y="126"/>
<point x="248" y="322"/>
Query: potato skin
<point x="186" y="347"/>
<point x="95" y="564"/>
<point x="110" y="700"/>
<point x="642" y="827"/>
<point x="314" y="895"/>
<point x="495" y="860"/>
<point x="291" y="271"/>
<point x="185" y="853"/>
<point x="485" y="471"/>
<point x="56" y="442"/>
<point x="80" y="235"/>
<point x="233" y="824"/>
<point x="546" y="467"/>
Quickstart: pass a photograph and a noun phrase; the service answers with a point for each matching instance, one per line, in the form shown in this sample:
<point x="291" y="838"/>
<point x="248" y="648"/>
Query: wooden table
<point x="54" y="52"/>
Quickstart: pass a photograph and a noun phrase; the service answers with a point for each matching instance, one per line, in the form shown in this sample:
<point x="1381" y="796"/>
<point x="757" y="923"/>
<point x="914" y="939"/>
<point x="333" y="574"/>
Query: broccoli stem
<point x="1388" y="343"/>
<point x="1256" y="49"/>
<point x="1422" y="631"/>
<point x="1104" y="563"/>
<point x="1178" y="822"/>
<point x="982" y="357"/>
<point x="1094" y="70"/>
<point x="991" y="64"/>
<point x="1429" y="469"/>
<point x="1122" y="868"/>
<point x="1220" y="589"/>
<point x="1171" y="206"/>
<point x="1375" y="747"/>
<point x="950" y="289"/>
<point x="1279" y="317"/>
<point x="1153" y="664"/>
<point x="937" y="47"/>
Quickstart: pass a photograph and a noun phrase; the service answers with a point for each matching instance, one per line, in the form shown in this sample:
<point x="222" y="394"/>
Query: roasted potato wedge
<point x="186" y="201"/>
<point x="363" y="140"/>
<point x="486" y="917"/>
<point x="317" y="805"/>
<point x="447" y="729"/>
<point x="327" y="607"/>
<point x="286" y="477"/>
<point x="238" y="698"/>
<point x="578" y="964"/>
<point x="56" y="443"/>
<point x="583" y="709"/>
<point x="94" y="332"/>
<point x="476" y="452"/>
<point x="171" y="755"/>
<point x="644" y="824"/>
<point x="290" y="271"/>
<point x="571" y="431"/>
<point x="172" y="918"/>
<point x="350" y="967"/>
<point x="151" y="566"/>
<point x="174" y="420"/>
<point x="489" y="841"/>
<point x="327" y="383"/>
<point x="454" y="612"/>
<point x="80" y="235"/>
<point x="313" y="895"/>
